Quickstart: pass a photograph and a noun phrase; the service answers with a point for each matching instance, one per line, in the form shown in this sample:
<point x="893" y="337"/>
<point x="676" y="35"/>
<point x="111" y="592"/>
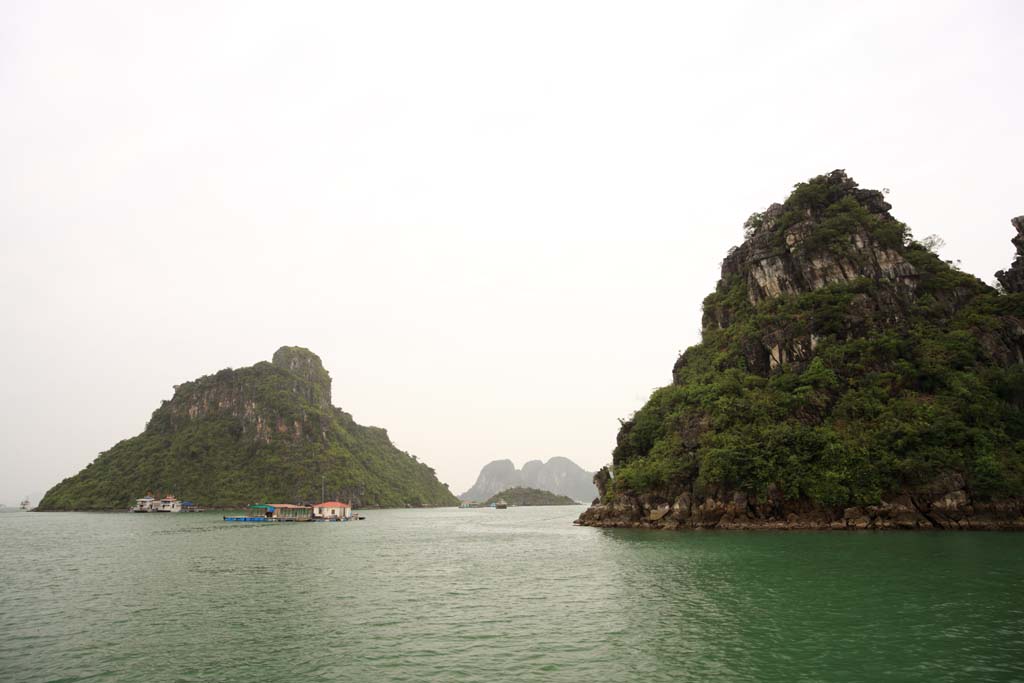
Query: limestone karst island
<point x="262" y="433"/>
<point x="847" y="378"/>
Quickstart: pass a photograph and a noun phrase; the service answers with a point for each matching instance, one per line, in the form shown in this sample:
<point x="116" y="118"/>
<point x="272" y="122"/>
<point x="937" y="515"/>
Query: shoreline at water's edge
<point x="231" y="508"/>
<point x="735" y="510"/>
<point x="776" y="525"/>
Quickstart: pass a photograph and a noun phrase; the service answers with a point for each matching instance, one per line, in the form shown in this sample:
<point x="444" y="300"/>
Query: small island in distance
<point x="521" y="496"/>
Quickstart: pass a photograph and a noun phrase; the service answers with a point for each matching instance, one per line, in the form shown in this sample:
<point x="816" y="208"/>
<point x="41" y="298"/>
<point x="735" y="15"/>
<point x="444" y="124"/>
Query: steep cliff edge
<point x="847" y="378"/>
<point x="1012" y="279"/>
<point x="263" y="433"/>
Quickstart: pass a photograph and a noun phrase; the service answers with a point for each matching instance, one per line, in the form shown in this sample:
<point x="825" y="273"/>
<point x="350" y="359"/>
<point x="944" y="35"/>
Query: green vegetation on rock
<point x="263" y="433"/>
<point x="841" y="362"/>
<point x="526" y="496"/>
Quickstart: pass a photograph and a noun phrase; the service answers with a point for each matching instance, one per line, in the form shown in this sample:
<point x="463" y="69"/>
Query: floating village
<point x="328" y="511"/>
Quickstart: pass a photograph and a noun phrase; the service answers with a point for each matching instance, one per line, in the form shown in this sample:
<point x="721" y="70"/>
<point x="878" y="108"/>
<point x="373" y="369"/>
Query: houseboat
<point x="168" y="504"/>
<point x="276" y="512"/>
<point x="332" y="511"/>
<point x="150" y="504"/>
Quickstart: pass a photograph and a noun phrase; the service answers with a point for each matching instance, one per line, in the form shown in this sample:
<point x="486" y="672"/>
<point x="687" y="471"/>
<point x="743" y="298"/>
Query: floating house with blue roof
<point x="275" y="512"/>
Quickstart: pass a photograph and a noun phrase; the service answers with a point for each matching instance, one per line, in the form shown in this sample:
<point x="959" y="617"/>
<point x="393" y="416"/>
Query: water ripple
<point x="480" y="595"/>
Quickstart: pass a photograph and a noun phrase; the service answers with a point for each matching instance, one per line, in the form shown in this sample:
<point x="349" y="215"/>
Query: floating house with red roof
<point x="332" y="509"/>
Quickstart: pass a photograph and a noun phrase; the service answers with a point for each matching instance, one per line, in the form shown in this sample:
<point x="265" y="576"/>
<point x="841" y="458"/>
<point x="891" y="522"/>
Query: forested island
<point x="847" y="377"/>
<point x="526" y="496"/>
<point x="263" y="433"/>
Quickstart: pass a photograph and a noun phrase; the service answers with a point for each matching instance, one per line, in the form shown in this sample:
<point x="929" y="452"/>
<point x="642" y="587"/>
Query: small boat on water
<point x="500" y="504"/>
<point x="26" y="505"/>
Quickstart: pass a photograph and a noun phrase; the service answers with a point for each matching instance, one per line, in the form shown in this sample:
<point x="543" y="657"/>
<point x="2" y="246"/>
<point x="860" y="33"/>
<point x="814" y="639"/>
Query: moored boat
<point x="168" y="504"/>
<point x="144" y="504"/>
<point x="150" y="504"/>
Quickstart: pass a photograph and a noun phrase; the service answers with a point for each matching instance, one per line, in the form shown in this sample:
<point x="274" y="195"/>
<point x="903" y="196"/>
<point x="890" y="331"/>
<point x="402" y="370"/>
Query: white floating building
<point x="332" y="509"/>
<point x="151" y="504"/>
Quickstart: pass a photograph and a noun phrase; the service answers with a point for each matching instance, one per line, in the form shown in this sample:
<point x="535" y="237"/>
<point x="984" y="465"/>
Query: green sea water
<point x="498" y="595"/>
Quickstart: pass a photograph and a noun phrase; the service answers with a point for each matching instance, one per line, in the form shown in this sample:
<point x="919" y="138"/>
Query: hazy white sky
<point x="495" y="222"/>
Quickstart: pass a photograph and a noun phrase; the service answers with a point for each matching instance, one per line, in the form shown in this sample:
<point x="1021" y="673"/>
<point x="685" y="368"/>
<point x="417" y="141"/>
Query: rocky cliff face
<point x="263" y="433"/>
<point x="840" y="383"/>
<point x="1012" y="279"/>
<point x="299" y="406"/>
<point x="558" y="475"/>
<point x="781" y="255"/>
<point x="777" y="261"/>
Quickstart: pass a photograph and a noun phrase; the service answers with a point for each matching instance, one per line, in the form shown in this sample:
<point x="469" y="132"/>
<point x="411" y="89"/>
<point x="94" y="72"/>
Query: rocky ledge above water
<point x="946" y="504"/>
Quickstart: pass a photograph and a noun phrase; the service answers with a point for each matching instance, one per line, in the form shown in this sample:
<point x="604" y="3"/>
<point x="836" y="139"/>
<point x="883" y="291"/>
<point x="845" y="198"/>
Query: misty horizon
<point x="496" y="239"/>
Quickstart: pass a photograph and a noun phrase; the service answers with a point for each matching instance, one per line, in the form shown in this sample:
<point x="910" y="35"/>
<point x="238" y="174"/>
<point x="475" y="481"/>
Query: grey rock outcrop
<point x="772" y="269"/>
<point x="945" y="503"/>
<point x="1012" y="279"/>
<point x="783" y="255"/>
<point x="558" y="475"/>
